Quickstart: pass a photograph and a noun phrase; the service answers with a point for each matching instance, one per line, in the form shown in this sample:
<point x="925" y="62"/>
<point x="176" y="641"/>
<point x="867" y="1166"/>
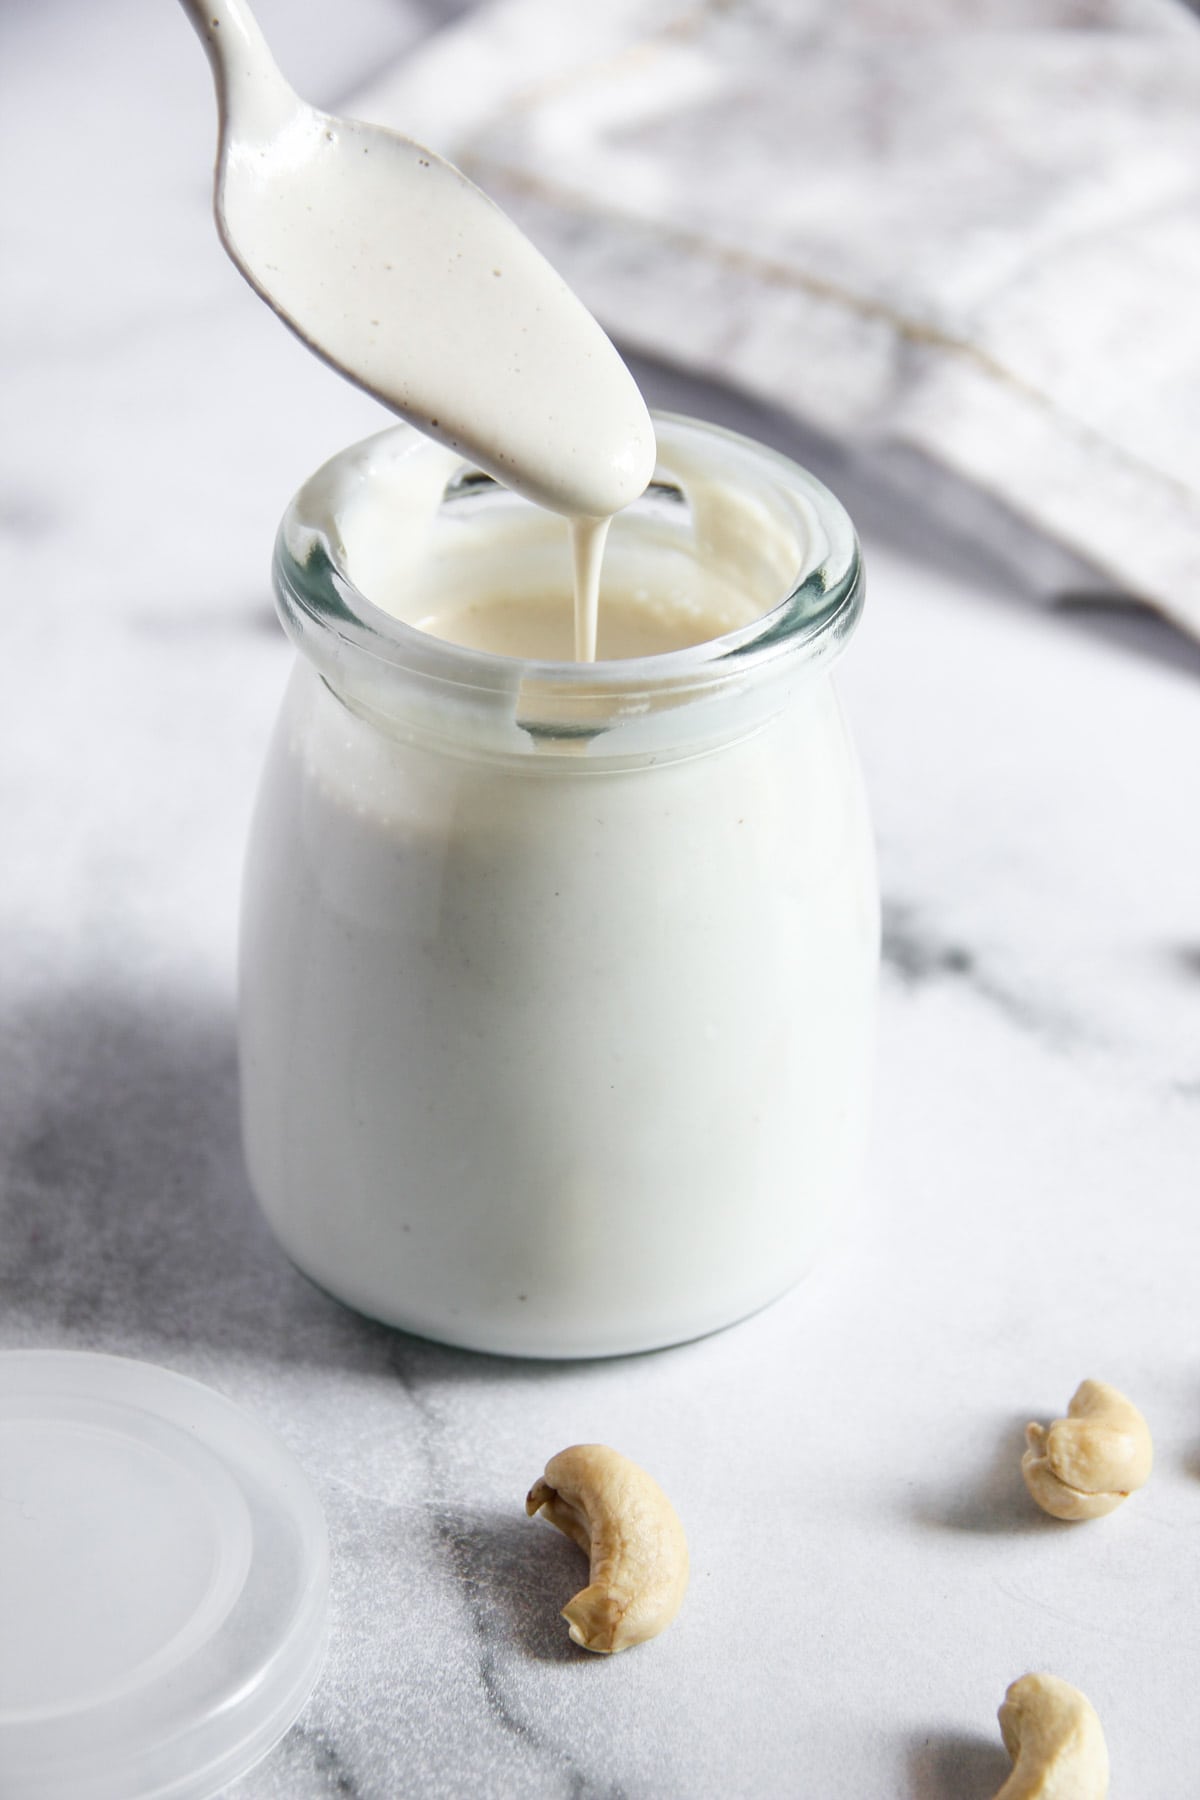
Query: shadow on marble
<point x="1184" y="959"/>
<point x="127" y="1219"/>
<point x="996" y="1502"/>
<point x="918" y="953"/>
<point x="950" y="1766"/>
<point x="127" y="1222"/>
<point x="517" y="1574"/>
<point x="27" y="515"/>
<point x="424" y="1365"/>
<point x="1130" y="626"/>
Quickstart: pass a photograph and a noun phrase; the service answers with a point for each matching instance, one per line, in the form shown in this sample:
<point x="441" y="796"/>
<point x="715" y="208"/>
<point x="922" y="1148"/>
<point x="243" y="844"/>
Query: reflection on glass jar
<point x="557" y="980"/>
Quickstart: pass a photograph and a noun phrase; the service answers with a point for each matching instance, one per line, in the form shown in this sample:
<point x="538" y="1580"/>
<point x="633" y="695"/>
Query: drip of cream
<point x="587" y="554"/>
<point x="396" y="270"/>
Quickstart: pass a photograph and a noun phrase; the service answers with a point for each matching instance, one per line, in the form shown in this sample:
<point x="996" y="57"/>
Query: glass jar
<point x="557" y="980"/>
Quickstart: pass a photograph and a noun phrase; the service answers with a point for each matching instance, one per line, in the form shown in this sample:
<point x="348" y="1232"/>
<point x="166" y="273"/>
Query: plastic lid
<point x="164" y="1583"/>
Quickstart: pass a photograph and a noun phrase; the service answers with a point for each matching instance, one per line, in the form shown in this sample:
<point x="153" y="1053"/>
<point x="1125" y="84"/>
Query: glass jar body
<point x="551" y="1058"/>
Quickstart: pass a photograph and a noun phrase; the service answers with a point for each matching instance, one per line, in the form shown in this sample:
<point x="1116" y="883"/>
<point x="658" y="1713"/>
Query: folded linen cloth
<point x="963" y="234"/>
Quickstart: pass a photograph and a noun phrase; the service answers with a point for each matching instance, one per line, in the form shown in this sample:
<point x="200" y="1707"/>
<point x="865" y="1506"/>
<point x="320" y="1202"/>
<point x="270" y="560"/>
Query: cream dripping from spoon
<point x="396" y="270"/>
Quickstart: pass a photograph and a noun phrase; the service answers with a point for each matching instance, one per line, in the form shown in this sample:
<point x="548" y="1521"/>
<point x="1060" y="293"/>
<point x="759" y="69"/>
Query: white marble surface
<point x="868" y="1575"/>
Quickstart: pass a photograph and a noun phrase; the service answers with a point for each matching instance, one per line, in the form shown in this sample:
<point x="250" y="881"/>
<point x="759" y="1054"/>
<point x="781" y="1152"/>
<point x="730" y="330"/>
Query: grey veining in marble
<point x="867" y="1575"/>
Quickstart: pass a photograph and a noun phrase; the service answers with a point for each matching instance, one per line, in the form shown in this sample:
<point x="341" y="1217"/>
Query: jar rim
<point x="811" y="620"/>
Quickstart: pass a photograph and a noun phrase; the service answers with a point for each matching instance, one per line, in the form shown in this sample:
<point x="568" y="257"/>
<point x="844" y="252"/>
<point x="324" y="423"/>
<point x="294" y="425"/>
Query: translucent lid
<point x="164" y="1581"/>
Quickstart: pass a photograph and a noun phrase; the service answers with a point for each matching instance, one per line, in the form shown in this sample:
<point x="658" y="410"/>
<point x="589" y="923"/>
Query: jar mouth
<point x="777" y="517"/>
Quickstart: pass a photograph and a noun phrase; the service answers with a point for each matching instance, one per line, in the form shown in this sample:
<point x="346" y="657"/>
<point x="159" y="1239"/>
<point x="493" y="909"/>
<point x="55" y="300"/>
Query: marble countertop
<point x="868" y="1574"/>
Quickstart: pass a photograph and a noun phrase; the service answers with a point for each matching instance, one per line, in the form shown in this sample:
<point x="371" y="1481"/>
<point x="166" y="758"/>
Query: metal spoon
<point x="392" y="266"/>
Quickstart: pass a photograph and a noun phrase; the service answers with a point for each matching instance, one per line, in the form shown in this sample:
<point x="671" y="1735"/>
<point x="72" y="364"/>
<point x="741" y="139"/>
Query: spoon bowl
<point x="401" y="274"/>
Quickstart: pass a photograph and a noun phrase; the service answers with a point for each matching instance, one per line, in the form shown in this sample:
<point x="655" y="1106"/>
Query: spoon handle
<point x="252" y="95"/>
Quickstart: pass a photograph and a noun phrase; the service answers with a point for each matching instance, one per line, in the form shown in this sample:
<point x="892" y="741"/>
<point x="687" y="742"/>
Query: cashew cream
<point x="557" y="981"/>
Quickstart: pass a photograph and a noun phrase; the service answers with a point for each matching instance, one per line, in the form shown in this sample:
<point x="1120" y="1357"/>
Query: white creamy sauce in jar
<point x="577" y="1063"/>
<point x="556" y="1047"/>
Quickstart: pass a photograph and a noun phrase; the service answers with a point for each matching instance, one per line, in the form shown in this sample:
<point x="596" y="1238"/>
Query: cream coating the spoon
<point x="402" y="275"/>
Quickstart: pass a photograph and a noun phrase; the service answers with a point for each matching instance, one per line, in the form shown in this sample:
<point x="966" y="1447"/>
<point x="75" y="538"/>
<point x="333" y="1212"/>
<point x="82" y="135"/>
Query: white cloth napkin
<point x="963" y="234"/>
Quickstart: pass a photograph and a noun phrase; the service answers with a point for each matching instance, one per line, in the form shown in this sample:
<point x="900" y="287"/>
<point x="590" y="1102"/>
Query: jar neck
<point x="363" y="540"/>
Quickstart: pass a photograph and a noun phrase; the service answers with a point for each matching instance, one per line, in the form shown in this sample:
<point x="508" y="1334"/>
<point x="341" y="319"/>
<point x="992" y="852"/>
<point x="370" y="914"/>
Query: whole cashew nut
<point x="1087" y="1463"/>
<point x="639" y="1558"/>
<point x="1055" y="1741"/>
